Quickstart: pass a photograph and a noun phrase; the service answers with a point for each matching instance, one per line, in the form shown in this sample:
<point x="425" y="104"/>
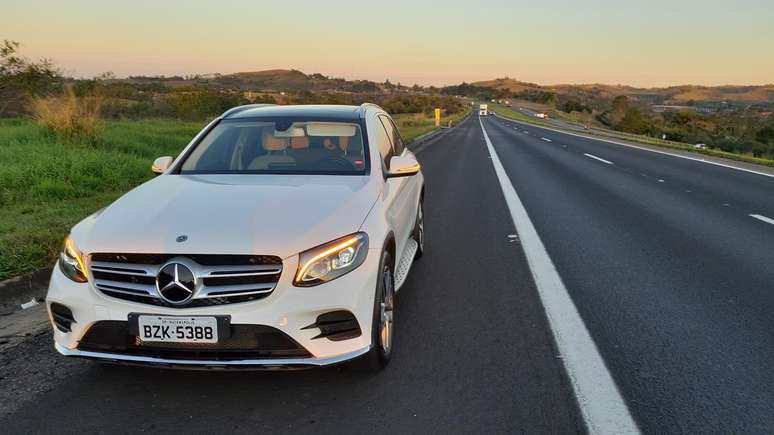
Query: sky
<point x="640" y="43"/>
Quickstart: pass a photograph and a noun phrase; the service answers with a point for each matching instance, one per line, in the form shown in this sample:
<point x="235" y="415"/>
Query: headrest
<point x="271" y="143"/>
<point x="344" y="143"/>
<point x="299" y="142"/>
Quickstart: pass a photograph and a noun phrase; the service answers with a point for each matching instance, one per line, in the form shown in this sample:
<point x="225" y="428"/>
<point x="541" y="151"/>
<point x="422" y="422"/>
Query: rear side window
<point x="392" y="132"/>
<point x="384" y="144"/>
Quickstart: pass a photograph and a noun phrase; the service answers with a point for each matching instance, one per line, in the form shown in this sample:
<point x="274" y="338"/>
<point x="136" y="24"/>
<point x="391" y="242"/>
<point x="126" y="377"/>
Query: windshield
<point x="278" y="147"/>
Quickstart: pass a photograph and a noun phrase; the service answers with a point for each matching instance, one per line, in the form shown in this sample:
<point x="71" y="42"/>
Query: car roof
<point x="310" y="111"/>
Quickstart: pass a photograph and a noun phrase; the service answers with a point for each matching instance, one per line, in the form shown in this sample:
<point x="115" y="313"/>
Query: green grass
<point x="646" y="140"/>
<point x="48" y="184"/>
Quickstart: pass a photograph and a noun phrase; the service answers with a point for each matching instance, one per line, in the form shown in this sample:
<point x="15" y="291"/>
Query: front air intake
<point x="62" y="317"/>
<point x="336" y="326"/>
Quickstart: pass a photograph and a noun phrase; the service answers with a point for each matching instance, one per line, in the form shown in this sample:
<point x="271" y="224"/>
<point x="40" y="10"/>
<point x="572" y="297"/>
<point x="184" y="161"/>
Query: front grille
<point x="222" y="279"/>
<point x="244" y="342"/>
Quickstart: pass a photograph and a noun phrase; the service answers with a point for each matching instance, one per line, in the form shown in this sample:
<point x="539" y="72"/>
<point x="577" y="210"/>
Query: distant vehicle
<point x="700" y="146"/>
<point x="483" y="110"/>
<point x="507" y="103"/>
<point x="542" y="115"/>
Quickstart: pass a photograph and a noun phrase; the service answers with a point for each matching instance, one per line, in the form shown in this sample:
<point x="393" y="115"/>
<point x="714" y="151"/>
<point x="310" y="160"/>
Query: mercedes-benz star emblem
<point x="181" y="238"/>
<point x="176" y="283"/>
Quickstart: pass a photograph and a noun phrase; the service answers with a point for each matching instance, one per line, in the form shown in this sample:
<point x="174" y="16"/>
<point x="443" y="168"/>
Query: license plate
<point x="176" y="329"/>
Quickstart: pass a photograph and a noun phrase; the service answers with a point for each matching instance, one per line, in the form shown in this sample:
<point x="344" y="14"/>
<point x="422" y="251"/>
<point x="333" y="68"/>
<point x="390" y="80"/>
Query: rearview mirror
<point x="403" y="166"/>
<point x="161" y="164"/>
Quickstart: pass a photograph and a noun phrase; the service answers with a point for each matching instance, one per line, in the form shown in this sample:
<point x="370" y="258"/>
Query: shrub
<point x="69" y="116"/>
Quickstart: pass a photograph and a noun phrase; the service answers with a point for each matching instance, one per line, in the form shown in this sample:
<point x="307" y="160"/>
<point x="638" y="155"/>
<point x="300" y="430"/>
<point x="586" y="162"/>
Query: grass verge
<point x="47" y="183"/>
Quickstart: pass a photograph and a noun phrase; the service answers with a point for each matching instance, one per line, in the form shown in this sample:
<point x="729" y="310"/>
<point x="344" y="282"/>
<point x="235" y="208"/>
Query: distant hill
<point x="673" y="94"/>
<point x="268" y="80"/>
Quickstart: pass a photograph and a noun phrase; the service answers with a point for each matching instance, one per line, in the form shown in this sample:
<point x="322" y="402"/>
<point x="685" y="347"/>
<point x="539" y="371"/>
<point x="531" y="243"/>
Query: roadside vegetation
<point x="49" y="182"/>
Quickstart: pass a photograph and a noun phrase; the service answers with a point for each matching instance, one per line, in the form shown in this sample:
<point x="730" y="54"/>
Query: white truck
<point x="482" y="110"/>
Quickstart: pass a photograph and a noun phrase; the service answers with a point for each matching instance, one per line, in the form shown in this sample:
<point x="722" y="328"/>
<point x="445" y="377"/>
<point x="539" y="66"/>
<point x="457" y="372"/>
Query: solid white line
<point x="709" y="162"/>
<point x="762" y="218"/>
<point x="545" y="139"/>
<point x="600" y="402"/>
<point x="598" y="158"/>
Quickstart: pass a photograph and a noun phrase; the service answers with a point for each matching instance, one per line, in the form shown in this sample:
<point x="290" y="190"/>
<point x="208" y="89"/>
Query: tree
<point x="765" y="135"/>
<point x="620" y="104"/>
<point x="21" y="79"/>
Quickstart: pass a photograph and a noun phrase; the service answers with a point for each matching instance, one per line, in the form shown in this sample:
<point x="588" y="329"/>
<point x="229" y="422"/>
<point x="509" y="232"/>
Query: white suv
<point x="277" y="238"/>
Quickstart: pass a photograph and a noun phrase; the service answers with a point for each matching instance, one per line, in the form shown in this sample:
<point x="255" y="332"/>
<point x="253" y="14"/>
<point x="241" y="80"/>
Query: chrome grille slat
<point x="233" y="290"/>
<point x="126" y="288"/>
<point x="223" y="271"/>
<point x="128" y="268"/>
<point x="219" y="282"/>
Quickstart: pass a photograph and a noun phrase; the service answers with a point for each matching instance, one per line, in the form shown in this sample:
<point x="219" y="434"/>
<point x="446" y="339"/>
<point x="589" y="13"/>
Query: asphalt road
<point x="474" y="352"/>
<point x="672" y="276"/>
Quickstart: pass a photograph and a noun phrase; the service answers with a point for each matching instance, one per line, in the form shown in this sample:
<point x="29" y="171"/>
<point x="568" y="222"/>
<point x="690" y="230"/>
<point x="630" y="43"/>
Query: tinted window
<point x="392" y="132"/>
<point x="384" y="144"/>
<point x="265" y="146"/>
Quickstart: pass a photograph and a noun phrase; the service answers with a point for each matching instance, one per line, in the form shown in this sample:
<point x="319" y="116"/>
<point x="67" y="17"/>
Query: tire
<point x="382" y="340"/>
<point x="418" y="233"/>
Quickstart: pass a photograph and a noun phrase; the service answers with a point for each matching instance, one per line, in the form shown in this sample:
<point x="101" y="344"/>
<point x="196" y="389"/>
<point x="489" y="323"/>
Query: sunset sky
<point x="647" y="43"/>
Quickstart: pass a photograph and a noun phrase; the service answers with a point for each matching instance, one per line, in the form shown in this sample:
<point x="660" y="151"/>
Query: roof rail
<point x="238" y="109"/>
<point x="364" y="106"/>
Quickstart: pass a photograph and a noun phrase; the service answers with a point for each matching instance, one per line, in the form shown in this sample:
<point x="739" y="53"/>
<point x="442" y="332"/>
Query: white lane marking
<point x="762" y="218"/>
<point x="660" y="181"/>
<point x="598" y="158"/>
<point x="709" y="162"/>
<point x="545" y="139"/>
<point x="600" y="402"/>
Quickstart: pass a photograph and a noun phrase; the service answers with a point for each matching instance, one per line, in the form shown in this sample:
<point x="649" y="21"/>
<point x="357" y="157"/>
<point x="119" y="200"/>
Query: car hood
<point x="229" y="214"/>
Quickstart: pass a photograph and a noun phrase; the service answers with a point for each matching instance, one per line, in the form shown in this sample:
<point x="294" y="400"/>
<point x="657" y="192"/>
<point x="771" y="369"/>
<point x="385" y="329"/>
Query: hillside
<point x="674" y="94"/>
<point x="268" y="80"/>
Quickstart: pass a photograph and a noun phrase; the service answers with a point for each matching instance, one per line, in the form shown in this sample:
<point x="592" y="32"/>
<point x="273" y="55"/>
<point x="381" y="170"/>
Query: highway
<point x="569" y="285"/>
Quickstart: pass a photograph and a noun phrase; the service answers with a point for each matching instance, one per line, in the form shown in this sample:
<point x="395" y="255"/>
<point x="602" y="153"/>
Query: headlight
<point x="71" y="262"/>
<point x="331" y="260"/>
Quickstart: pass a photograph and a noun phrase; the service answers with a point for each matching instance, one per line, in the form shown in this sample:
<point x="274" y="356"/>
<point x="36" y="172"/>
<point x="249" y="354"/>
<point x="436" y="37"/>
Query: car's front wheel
<point x="383" y="320"/>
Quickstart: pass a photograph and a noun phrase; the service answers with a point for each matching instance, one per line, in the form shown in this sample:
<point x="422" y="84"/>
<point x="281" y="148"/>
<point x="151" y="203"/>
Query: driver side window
<point x="384" y="144"/>
<point x="392" y="132"/>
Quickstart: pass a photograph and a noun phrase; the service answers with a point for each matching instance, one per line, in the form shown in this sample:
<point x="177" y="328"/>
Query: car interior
<point x="259" y="147"/>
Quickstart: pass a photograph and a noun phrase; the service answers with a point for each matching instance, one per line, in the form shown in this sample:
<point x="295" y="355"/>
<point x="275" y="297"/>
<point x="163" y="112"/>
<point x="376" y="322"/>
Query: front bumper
<point x="263" y="364"/>
<point x="288" y="309"/>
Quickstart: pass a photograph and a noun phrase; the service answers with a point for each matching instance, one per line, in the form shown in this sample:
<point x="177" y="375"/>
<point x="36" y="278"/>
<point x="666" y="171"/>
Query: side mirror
<point x="161" y="164"/>
<point x="403" y="166"/>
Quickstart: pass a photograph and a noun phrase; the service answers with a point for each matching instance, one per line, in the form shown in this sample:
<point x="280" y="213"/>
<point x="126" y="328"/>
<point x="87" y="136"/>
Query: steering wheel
<point x="337" y="163"/>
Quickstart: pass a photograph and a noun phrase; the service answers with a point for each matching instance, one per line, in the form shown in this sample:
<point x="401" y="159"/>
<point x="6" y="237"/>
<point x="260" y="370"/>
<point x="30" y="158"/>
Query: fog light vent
<point x="336" y="326"/>
<point x="62" y="316"/>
